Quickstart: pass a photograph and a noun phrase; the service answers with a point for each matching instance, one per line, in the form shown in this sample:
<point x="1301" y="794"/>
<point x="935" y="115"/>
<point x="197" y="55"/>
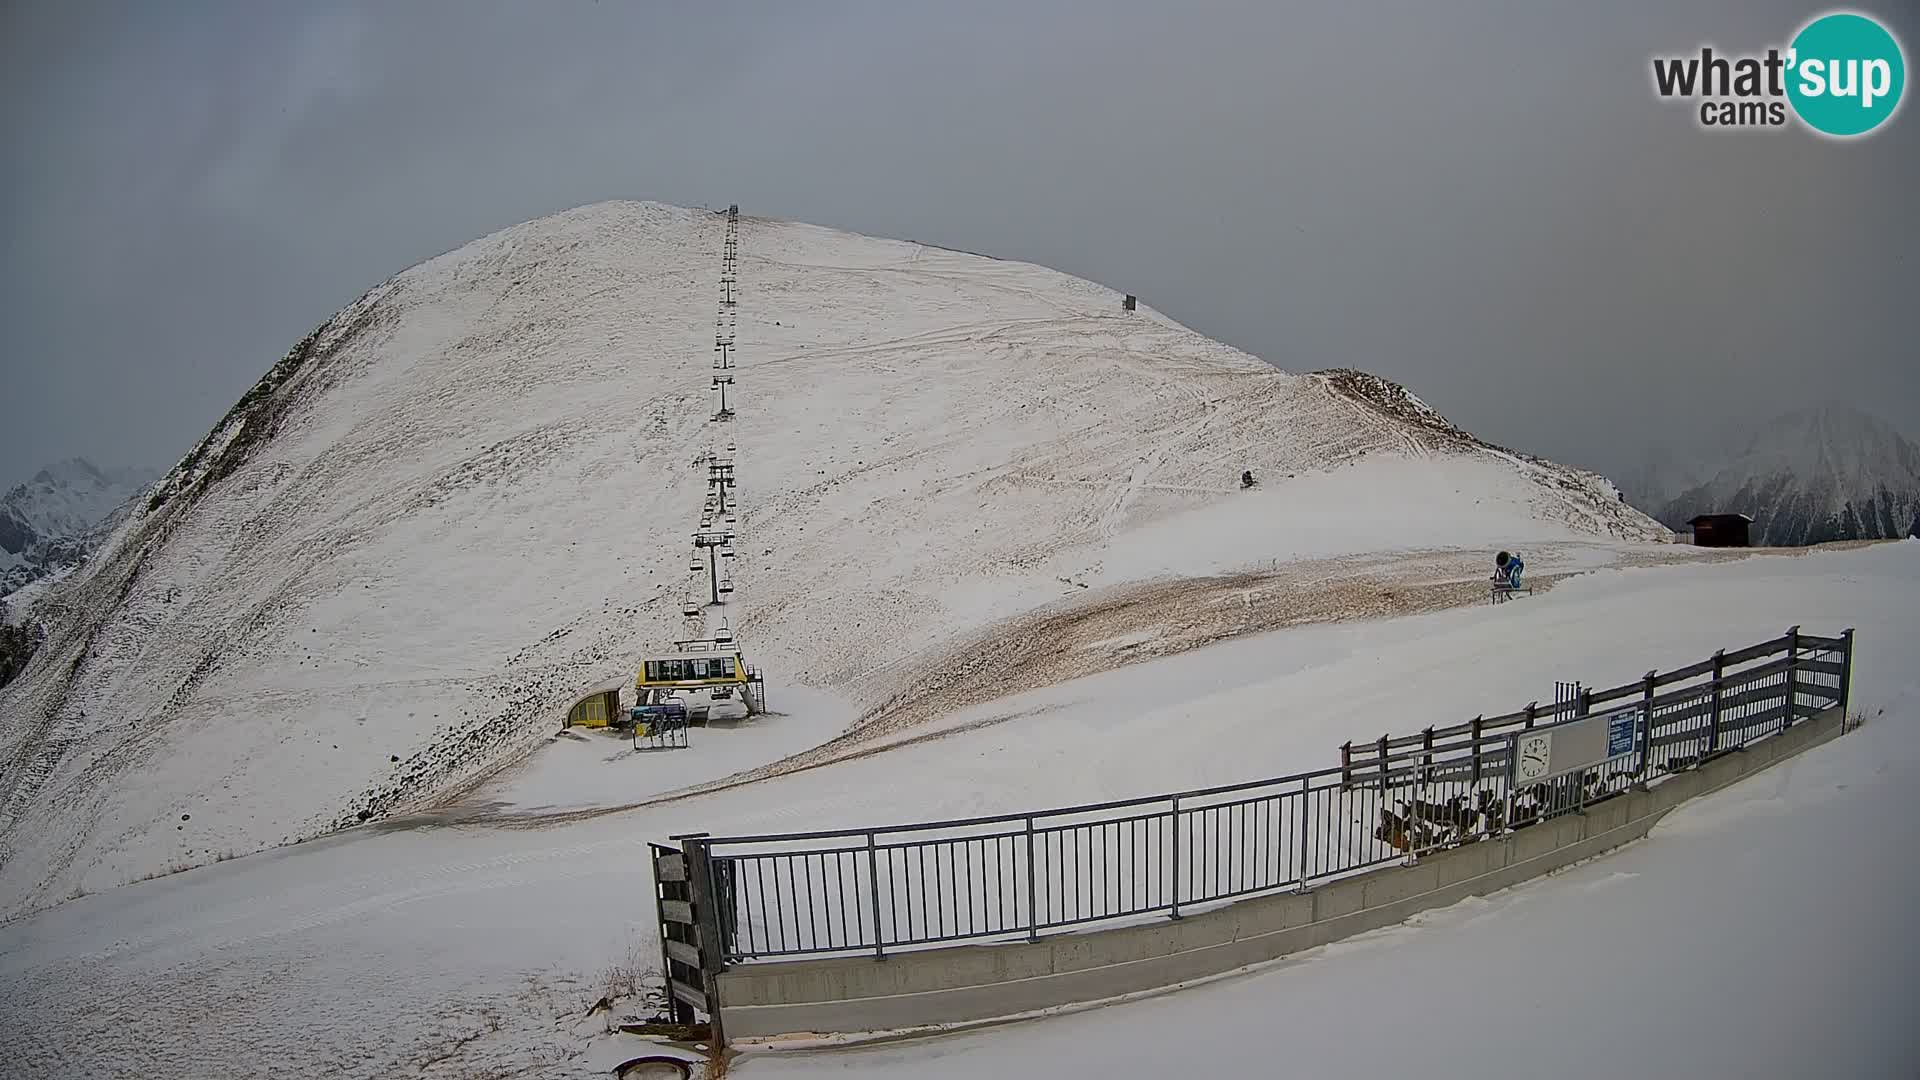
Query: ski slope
<point x="465" y="500"/>
<point x="475" y="950"/>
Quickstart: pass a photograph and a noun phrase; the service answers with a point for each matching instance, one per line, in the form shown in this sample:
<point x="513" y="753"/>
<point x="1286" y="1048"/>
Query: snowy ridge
<point x="1824" y="473"/>
<point x="463" y="501"/>
<point x="1585" y="499"/>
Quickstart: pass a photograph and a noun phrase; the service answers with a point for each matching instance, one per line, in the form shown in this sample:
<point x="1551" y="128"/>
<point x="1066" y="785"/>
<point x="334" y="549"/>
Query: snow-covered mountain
<point x="1830" y="472"/>
<point x="465" y="500"/>
<point x="50" y="522"/>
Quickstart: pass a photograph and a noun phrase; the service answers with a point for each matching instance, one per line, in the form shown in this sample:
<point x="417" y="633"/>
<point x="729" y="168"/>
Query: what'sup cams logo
<point x="1842" y="76"/>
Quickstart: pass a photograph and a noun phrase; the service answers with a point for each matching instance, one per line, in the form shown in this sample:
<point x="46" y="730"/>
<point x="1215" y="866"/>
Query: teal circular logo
<point x="1845" y="74"/>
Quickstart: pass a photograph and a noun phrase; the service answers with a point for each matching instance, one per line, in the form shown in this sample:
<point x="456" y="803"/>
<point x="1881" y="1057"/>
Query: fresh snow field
<point x="466" y="501"/>
<point x="1757" y="932"/>
<point x="991" y="558"/>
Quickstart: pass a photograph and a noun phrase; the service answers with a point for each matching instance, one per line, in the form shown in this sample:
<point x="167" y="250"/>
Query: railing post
<point x="1346" y="765"/>
<point x="873" y="875"/>
<point x="1422" y="777"/>
<point x="1582" y="706"/>
<point x="1305" y="828"/>
<point x="1174" y="895"/>
<point x="1383" y="764"/>
<point x="1532" y="708"/>
<point x="681" y="1012"/>
<point x="706" y="917"/>
<point x="1513" y="774"/>
<point x="1646" y="725"/>
<point x="1846" y="675"/>
<point x="1713" y="722"/>
<point x="1033" y="905"/>
<point x="1793" y="675"/>
<point x="1477" y="721"/>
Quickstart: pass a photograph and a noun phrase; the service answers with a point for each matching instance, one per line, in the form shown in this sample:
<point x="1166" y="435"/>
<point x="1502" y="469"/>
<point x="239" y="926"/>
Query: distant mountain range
<point x="52" y="521"/>
<point x="1831" y="472"/>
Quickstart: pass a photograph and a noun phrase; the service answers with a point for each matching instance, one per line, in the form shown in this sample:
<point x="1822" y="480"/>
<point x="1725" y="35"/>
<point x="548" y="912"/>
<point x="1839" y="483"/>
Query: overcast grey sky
<point x="1483" y="201"/>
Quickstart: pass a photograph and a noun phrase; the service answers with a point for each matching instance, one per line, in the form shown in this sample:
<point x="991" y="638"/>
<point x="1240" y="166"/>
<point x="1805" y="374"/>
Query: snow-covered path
<point x="447" y="951"/>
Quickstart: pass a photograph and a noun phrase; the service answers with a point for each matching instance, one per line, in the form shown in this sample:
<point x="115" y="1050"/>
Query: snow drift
<point x="465" y="499"/>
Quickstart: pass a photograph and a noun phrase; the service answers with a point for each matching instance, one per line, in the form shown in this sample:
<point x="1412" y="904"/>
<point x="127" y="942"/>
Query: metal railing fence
<point x="1013" y="875"/>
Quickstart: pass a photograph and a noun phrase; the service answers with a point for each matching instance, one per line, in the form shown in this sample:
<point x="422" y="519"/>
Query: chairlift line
<point x="708" y="674"/>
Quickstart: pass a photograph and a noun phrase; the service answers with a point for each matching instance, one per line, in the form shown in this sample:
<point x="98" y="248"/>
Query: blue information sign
<point x="1620" y="729"/>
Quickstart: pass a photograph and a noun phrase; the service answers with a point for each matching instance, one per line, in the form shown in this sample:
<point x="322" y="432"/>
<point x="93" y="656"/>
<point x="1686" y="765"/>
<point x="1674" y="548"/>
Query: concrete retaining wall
<point x="966" y="983"/>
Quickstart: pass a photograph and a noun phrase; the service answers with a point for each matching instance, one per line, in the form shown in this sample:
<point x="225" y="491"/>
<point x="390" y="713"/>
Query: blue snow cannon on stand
<point x="1507" y="568"/>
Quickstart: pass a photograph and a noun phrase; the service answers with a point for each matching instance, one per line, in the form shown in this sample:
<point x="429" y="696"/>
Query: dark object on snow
<point x="1128" y="303"/>
<point x="1721" y="530"/>
<point x="1246" y="479"/>
<point x="652" y="1066"/>
<point x="17" y="646"/>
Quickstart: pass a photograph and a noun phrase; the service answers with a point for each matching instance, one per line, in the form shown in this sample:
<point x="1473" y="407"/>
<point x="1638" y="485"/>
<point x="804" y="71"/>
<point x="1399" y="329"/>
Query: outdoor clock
<point x="1532" y="753"/>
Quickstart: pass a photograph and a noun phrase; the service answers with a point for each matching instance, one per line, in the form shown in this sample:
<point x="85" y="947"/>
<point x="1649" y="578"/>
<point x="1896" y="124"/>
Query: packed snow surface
<point x="465" y="500"/>
<point x="1761" y="932"/>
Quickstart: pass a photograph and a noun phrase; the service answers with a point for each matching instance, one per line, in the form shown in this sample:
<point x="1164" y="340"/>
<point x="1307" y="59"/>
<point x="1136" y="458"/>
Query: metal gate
<point x="661" y="733"/>
<point x="692" y="951"/>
